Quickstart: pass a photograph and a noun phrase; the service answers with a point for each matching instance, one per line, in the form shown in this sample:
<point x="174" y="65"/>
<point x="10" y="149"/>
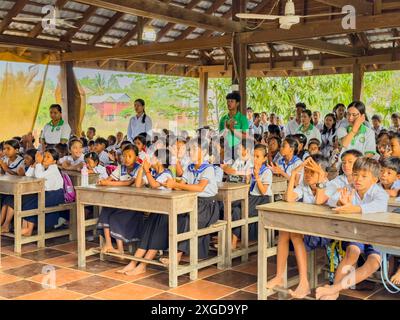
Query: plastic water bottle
<point x="84" y="176"/>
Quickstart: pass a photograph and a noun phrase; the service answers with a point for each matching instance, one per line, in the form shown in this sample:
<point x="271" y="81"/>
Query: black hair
<point x="314" y="141"/>
<point x="377" y="117"/>
<point x="92" y="129"/>
<point x="308" y="112"/>
<point x="333" y="129"/>
<point x="301" y="138"/>
<point x="233" y="96"/>
<point x="278" y="140"/>
<point x="113" y="139"/>
<point x="13" y="143"/>
<point x="31" y="153"/>
<point x="92" y="155"/>
<point x="274" y="129"/>
<point x="91" y="143"/>
<point x="257" y="138"/>
<point x="367" y="164"/>
<point x="101" y="141"/>
<point x="201" y="143"/>
<point x="72" y="142"/>
<point x="164" y="156"/>
<point x="262" y="147"/>
<point x="53" y="153"/>
<point x="321" y="160"/>
<point x="141" y="101"/>
<point x="61" y="148"/>
<point x="17" y="138"/>
<point x="353" y="152"/>
<point x="84" y="141"/>
<point x="301" y="105"/>
<point x="383" y="132"/>
<point x="141" y="138"/>
<point x="292" y="142"/>
<point x="338" y="106"/>
<point x="395" y="135"/>
<point x="360" y="106"/>
<point x="392" y="163"/>
<point x="131" y="147"/>
<point x="56" y="106"/>
<point x="124" y="144"/>
<point x="395" y="115"/>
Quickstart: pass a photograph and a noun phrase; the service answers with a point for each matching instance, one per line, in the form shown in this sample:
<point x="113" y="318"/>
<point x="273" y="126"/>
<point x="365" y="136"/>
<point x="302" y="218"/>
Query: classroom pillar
<point x="358" y="81"/>
<point x="203" y="98"/>
<point x="240" y="57"/>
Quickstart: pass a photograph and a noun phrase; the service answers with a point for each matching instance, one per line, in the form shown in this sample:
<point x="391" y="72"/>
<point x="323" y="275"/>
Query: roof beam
<point x="146" y="49"/>
<point x="326" y="47"/>
<point x="79" y="24"/>
<point x="158" y="10"/>
<point x="361" y="6"/>
<point x="18" y="6"/>
<point x="165" y="59"/>
<point x="321" y="29"/>
<point x="113" y="20"/>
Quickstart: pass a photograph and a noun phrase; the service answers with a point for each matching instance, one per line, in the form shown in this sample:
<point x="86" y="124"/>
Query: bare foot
<point x="26" y="232"/>
<point x="302" y="290"/>
<point x="275" y="282"/>
<point x="131" y="266"/>
<point x="5" y="229"/>
<point x="107" y="248"/>
<point x="322" y="293"/>
<point x="141" y="268"/>
<point x="395" y="279"/>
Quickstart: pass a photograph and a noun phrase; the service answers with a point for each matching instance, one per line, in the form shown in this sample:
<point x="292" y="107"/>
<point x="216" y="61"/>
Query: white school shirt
<point x="339" y="182"/>
<point x="311" y="133"/>
<point x="112" y="148"/>
<point x="266" y="178"/>
<point x="342" y="123"/>
<point x="219" y="173"/>
<point x="121" y="173"/>
<point x="243" y="166"/>
<point x="104" y="158"/>
<point x="256" y="130"/>
<point x="377" y="131"/>
<point x="375" y="200"/>
<point x="15" y="165"/>
<point x="364" y="141"/>
<point x="52" y="176"/>
<point x="101" y="171"/>
<point x="291" y="127"/>
<point x="136" y="127"/>
<point x="304" y="192"/>
<point x="320" y="126"/>
<point x="71" y="160"/>
<point x="54" y="134"/>
<point x="161" y="178"/>
<point x="395" y="185"/>
<point x="288" y="168"/>
<point x="191" y="177"/>
<point x="327" y="143"/>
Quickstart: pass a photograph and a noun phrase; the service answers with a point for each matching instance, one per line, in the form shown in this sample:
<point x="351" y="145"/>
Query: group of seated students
<point x="366" y="180"/>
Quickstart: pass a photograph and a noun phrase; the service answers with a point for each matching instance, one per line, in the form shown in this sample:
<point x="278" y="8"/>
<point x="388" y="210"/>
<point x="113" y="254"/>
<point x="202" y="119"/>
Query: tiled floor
<point x="52" y="274"/>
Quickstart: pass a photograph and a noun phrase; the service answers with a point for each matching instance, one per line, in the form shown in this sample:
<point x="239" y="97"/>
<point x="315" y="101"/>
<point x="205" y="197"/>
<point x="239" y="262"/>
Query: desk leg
<point x="173" y="248"/>
<point x="194" y="242"/>
<point x="80" y="215"/>
<point x="262" y="261"/>
<point x="228" y="219"/>
<point x="312" y="269"/>
<point x="72" y="224"/>
<point x="41" y="220"/>
<point x="245" y="228"/>
<point x="17" y="223"/>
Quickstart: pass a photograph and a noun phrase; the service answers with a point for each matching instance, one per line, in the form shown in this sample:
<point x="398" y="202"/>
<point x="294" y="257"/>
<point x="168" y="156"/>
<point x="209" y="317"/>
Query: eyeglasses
<point x="354" y="115"/>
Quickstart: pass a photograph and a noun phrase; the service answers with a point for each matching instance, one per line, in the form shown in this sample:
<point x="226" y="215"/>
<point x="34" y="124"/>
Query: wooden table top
<point x="76" y="173"/>
<point x="9" y="179"/>
<point x="232" y="186"/>
<point x="138" y="191"/>
<point x="298" y="208"/>
<point x="394" y="202"/>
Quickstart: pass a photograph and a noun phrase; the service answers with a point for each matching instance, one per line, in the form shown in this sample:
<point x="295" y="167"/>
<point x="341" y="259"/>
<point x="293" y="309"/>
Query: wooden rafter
<point x="157" y="10"/>
<point x="113" y="20"/>
<point x="80" y="23"/>
<point x="361" y="6"/>
<point x="18" y="6"/>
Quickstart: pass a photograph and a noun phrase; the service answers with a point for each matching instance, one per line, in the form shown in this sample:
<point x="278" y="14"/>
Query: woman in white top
<point x="56" y="131"/>
<point x="307" y="128"/>
<point x="140" y="123"/>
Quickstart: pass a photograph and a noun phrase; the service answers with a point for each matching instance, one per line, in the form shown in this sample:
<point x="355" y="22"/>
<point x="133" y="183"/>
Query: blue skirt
<point x="125" y="225"/>
<point x="208" y="214"/>
<point x="52" y="199"/>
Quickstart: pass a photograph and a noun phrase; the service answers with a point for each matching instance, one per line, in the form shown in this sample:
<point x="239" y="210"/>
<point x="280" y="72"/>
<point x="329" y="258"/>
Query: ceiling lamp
<point x="308" y="65"/>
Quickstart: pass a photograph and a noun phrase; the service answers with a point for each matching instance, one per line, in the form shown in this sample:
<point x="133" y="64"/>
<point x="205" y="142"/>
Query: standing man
<point x="293" y="125"/>
<point x="233" y="125"/>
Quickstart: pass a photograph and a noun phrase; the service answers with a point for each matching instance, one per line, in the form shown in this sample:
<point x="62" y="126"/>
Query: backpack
<point x="69" y="191"/>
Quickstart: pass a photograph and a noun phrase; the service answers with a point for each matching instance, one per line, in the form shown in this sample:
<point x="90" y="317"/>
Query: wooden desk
<point x="380" y="229"/>
<point x="19" y="186"/>
<point x="228" y="192"/>
<point x="394" y="204"/>
<point x="167" y="202"/>
<point x="279" y="185"/>
<point x="76" y="177"/>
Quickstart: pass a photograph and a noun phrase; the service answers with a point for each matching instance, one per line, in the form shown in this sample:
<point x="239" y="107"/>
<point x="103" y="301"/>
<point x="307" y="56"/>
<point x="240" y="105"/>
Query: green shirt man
<point x="233" y="124"/>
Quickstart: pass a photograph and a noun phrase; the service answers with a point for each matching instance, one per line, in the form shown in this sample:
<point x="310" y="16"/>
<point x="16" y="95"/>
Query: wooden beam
<point x="113" y="20"/>
<point x="79" y="24"/>
<point x="358" y="80"/>
<point x="157" y="10"/>
<point x="166" y="59"/>
<point x="146" y="49"/>
<point x="320" y="29"/>
<point x="203" y="98"/>
<point x="361" y="6"/>
<point x="326" y="47"/>
<point x="18" y="6"/>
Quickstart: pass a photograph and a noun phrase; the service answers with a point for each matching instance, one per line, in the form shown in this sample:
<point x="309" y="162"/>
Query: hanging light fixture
<point x="149" y="34"/>
<point x="308" y="65"/>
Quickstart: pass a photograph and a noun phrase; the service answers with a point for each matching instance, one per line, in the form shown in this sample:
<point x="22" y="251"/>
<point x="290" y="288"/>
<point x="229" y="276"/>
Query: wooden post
<point x="358" y="80"/>
<point x="71" y="108"/>
<point x="239" y="51"/>
<point x="203" y="98"/>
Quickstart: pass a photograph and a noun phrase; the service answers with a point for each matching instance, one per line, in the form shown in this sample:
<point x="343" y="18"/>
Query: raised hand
<point x="358" y="122"/>
<point x="346" y="196"/>
<point x="39" y="157"/>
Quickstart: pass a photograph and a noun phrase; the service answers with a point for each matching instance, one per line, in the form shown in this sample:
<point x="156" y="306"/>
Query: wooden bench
<point x="380" y="229"/>
<point x="171" y="203"/>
